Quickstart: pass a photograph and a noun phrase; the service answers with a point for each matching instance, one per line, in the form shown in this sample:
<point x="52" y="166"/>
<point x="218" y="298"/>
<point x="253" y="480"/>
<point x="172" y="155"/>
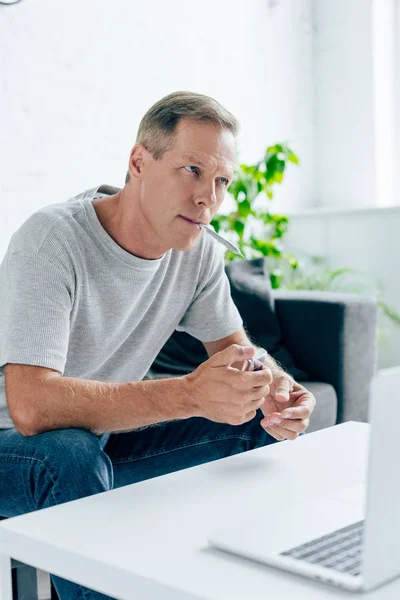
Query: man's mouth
<point x="191" y="221"/>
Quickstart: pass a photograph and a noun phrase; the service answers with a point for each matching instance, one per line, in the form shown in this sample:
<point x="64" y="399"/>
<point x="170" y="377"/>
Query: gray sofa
<point x="332" y="338"/>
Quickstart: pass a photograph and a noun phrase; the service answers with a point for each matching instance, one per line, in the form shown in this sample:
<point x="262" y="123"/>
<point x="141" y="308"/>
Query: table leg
<point x="5" y="577"/>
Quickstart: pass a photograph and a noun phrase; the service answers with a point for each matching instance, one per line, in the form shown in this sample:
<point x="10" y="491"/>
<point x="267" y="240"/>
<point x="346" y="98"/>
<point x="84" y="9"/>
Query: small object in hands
<point x="256" y="363"/>
<point x="220" y="239"/>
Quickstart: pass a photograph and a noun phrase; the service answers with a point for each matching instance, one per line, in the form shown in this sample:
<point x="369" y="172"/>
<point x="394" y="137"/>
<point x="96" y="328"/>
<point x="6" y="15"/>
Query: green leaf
<point x="236" y="187"/>
<point x="271" y="165"/>
<point x="265" y="217"/>
<point x="293" y="158"/>
<point x="239" y="227"/>
<point x="267" y="247"/>
<point x="281" y="228"/>
<point x="389" y="312"/>
<point x="276" y="278"/>
<point x="281" y="218"/>
<point x="215" y="224"/>
<point x="244" y="209"/>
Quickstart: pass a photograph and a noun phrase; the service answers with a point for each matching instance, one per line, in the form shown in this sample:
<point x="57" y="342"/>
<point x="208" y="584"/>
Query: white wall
<point x="396" y="86"/>
<point x="345" y="137"/>
<point x="364" y="240"/>
<point x="355" y="79"/>
<point x="384" y="73"/>
<point x="78" y="75"/>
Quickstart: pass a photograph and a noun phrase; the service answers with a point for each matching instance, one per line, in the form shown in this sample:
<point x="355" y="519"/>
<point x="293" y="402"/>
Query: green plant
<point x="250" y="182"/>
<point x="286" y="270"/>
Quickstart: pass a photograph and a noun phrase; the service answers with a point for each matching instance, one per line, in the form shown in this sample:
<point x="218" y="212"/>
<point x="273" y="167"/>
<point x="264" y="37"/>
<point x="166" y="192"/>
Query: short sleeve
<point x="212" y="315"/>
<point x="34" y="312"/>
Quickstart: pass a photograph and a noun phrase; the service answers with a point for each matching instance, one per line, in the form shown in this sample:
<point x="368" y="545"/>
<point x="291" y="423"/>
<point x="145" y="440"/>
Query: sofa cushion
<point x="251" y="292"/>
<point x="325" y="411"/>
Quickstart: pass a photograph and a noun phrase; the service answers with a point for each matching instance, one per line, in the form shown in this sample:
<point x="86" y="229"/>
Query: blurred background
<point x="320" y="76"/>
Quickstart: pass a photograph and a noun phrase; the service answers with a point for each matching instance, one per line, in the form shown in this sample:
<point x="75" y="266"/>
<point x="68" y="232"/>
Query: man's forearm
<point x="64" y="402"/>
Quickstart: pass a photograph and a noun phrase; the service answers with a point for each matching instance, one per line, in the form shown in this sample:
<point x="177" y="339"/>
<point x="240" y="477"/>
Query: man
<point x="92" y="289"/>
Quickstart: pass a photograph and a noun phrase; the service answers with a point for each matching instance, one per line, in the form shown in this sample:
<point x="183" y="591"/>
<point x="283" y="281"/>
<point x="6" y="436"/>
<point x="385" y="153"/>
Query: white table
<point x="148" y="541"/>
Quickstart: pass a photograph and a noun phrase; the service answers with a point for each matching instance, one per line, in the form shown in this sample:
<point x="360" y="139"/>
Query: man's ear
<point x="136" y="160"/>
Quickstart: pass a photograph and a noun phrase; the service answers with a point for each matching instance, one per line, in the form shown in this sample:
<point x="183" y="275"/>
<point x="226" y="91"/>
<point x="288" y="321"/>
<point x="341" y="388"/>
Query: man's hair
<point x="157" y="128"/>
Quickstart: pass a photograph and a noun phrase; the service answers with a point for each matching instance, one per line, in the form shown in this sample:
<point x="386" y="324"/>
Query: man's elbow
<point x="24" y="385"/>
<point x="24" y="423"/>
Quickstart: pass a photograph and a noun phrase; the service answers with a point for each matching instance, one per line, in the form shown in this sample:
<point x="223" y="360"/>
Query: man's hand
<point x="287" y="407"/>
<point x="219" y="392"/>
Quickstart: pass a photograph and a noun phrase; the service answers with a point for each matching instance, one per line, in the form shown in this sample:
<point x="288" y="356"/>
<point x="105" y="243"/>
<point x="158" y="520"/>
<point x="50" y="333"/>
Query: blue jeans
<point x="66" y="464"/>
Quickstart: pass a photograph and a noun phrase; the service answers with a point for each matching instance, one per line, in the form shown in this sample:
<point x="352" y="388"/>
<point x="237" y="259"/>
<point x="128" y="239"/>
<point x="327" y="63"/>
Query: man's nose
<point x="207" y="195"/>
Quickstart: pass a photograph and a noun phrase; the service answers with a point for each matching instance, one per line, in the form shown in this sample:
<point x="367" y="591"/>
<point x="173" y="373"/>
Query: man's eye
<point x="190" y="167"/>
<point x="225" y="181"/>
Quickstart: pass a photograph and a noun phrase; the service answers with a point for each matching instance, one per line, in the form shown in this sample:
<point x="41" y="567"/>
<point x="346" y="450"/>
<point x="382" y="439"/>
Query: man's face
<point x="190" y="180"/>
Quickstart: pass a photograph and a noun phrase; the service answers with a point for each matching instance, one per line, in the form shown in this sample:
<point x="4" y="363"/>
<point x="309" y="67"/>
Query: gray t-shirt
<point x="73" y="300"/>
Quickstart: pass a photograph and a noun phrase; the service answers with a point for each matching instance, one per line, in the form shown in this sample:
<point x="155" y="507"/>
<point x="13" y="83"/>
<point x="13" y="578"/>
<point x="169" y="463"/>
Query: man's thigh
<point x="49" y="468"/>
<point x="161" y="449"/>
<point x="18" y="460"/>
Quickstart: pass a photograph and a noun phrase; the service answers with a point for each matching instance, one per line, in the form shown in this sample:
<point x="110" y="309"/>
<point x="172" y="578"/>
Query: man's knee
<point x="70" y="465"/>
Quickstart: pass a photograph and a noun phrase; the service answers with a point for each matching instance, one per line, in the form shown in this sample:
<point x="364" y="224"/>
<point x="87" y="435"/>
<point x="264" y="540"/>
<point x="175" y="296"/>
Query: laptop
<point x="350" y="539"/>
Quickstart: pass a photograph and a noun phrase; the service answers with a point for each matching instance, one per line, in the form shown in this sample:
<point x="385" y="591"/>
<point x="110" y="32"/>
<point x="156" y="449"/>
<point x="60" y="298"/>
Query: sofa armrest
<point x="332" y="337"/>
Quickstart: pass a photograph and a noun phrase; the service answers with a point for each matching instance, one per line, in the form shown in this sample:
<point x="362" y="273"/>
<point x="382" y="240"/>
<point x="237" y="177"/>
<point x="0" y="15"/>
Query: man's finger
<point x="273" y="433"/>
<point x="298" y="426"/>
<point x="260" y="377"/>
<point x="285" y="433"/>
<point x="298" y="412"/>
<point x="283" y="385"/>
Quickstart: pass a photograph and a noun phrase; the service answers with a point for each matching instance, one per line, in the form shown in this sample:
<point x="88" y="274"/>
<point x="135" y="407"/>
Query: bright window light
<point x="383" y="55"/>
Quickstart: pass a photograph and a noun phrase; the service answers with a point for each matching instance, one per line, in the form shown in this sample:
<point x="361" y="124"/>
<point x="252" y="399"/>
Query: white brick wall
<point x="77" y="76"/>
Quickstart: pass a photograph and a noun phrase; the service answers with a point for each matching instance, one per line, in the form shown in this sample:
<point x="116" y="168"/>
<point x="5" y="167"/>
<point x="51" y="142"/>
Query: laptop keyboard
<point x="339" y="550"/>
